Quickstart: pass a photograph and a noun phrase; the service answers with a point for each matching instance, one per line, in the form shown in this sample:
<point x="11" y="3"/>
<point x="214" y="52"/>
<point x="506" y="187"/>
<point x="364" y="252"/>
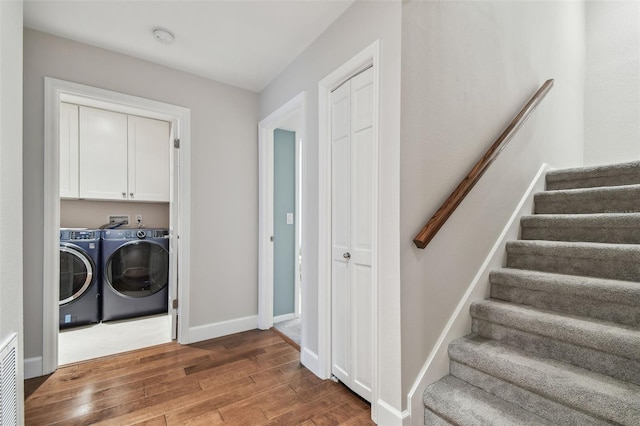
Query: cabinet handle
<point x="124" y="195"/>
<point x="131" y="194"/>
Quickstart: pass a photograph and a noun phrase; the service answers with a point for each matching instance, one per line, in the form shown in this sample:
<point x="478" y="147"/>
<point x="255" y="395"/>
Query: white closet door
<point x="352" y="232"/>
<point x="103" y="153"/>
<point x="68" y="151"/>
<point x="341" y="232"/>
<point x="149" y="173"/>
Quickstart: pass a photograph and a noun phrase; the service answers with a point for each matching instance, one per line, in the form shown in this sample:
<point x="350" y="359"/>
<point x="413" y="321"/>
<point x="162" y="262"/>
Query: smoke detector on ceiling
<point x="163" y="36"/>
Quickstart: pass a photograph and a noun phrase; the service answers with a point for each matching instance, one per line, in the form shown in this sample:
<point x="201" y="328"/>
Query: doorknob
<point x="347" y="255"/>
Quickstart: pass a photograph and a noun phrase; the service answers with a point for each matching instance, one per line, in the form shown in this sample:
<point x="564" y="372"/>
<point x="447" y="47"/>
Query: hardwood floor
<point x="250" y="378"/>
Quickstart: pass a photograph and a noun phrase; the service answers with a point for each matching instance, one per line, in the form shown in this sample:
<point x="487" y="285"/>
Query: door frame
<point x="55" y="91"/>
<point x="265" y="207"/>
<point x="369" y="57"/>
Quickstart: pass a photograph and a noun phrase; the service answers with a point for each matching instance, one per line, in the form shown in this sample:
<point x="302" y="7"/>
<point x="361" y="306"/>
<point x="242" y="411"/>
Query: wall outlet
<point x="138" y="219"/>
<point x="114" y="219"/>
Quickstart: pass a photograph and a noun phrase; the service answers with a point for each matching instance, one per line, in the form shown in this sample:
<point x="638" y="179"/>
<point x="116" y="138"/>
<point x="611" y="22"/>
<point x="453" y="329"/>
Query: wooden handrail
<point x="440" y="217"/>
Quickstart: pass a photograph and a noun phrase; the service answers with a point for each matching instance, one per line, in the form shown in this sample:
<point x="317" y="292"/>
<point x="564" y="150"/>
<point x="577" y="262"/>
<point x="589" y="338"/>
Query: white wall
<point x="467" y="69"/>
<point x="93" y="214"/>
<point x="11" y="180"/>
<point x="357" y="28"/>
<point x="612" y="86"/>
<point x="223" y="173"/>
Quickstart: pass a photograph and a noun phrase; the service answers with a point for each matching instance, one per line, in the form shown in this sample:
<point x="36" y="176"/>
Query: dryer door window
<point x="138" y="269"/>
<point x="76" y="273"/>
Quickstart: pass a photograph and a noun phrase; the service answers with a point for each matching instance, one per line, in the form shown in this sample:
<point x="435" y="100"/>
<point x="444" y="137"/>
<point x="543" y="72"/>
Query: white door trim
<point x="55" y="91"/>
<point x="369" y="57"/>
<point x="265" y="206"/>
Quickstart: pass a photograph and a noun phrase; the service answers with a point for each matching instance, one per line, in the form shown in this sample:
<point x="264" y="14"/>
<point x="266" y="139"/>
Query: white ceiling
<point x="238" y="42"/>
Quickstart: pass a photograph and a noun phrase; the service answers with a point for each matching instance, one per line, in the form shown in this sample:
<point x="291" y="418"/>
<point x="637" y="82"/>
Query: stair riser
<point x="547" y="203"/>
<point x="612" y="235"/>
<point x="568" y="303"/>
<point x="610" y="267"/>
<point x="528" y="400"/>
<point x="432" y="419"/>
<point x="601" y="362"/>
<point x="594" y="176"/>
<point x="592" y="182"/>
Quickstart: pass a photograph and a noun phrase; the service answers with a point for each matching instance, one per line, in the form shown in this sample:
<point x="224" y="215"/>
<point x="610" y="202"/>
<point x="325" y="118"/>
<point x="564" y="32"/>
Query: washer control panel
<point x="66" y="234"/>
<point x="133" y="234"/>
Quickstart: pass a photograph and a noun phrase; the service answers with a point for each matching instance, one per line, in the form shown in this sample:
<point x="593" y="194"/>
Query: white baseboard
<point x="33" y="367"/>
<point x="311" y="361"/>
<point x="437" y="364"/>
<point x="285" y="317"/>
<point x="222" y="328"/>
<point x="388" y="415"/>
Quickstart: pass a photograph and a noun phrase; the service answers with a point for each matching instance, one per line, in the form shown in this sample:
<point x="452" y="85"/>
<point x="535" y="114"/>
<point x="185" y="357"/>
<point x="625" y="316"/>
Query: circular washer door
<point x="138" y="269"/>
<point x="76" y="273"/>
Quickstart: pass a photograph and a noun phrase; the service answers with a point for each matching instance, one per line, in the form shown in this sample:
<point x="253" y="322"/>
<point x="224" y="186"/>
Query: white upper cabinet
<point x="68" y="151"/>
<point x="148" y="159"/>
<point x="103" y="154"/>
<point x="122" y="157"/>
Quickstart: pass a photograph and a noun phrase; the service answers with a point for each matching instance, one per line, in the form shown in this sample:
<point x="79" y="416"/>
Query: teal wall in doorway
<point x="284" y="194"/>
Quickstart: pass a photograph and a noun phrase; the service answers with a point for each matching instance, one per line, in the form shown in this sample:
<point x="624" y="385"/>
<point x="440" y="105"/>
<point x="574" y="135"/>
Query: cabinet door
<point x="148" y="159"/>
<point x="68" y="151"/>
<point x="103" y="154"/>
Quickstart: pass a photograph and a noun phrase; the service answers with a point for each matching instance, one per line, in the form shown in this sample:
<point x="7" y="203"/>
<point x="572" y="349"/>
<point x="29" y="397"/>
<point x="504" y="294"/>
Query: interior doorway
<point x="174" y="240"/>
<point x="281" y="259"/>
<point x="115" y="213"/>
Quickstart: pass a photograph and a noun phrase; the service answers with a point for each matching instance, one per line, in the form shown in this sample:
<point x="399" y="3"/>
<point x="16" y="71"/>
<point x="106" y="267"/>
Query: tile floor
<point x="108" y="338"/>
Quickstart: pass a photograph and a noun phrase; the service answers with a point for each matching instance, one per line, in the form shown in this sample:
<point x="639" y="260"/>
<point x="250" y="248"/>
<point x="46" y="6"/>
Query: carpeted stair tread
<point x="457" y="402"/>
<point x="599" y="361"/>
<point x="594" y="334"/>
<point x="577" y="388"/>
<point x="544" y="407"/>
<point x="608" y="300"/>
<point x="432" y="419"/>
<point x="610" y="199"/>
<point x="598" y="346"/>
<point x="616" y="291"/>
<point x="620" y="228"/>
<point x="583" y="177"/>
<point x="560" y="336"/>
<point x="612" y="261"/>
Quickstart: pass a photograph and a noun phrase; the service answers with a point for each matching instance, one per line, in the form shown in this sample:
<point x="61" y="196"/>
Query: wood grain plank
<point x="251" y="378"/>
<point x="222" y="360"/>
<point x="105" y="379"/>
<point x="64" y="410"/>
<point x="306" y="411"/>
<point x="342" y="414"/>
<point x="209" y="418"/>
<point x="47" y="399"/>
<point x="156" y="421"/>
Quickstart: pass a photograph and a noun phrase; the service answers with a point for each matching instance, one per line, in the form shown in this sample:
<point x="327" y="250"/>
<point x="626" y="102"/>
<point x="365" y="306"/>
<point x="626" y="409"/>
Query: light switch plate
<point x="289" y="218"/>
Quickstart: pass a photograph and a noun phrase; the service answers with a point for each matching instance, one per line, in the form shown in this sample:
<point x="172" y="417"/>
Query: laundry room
<point x="115" y="211"/>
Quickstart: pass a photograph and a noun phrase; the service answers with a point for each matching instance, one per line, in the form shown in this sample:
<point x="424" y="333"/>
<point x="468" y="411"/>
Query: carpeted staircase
<point x="559" y="340"/>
